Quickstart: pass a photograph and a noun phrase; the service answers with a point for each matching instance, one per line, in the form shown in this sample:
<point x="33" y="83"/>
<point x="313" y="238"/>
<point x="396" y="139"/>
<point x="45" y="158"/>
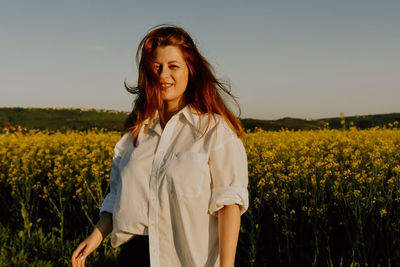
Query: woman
<point x="178" y="182"/>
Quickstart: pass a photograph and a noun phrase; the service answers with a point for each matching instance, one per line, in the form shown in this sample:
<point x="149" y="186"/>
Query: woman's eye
<point x="174" y="66"/>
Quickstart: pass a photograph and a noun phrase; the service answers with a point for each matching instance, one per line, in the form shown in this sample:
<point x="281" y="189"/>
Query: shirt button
<point x="153" y="199"/>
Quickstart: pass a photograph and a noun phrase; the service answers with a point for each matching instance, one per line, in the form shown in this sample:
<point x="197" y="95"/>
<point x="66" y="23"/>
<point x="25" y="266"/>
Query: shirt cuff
<point x="228" y="195"/>
<point x="108" y="204"/>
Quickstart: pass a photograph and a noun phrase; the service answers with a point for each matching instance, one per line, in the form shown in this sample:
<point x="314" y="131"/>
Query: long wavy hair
<point x="204" y="91"/>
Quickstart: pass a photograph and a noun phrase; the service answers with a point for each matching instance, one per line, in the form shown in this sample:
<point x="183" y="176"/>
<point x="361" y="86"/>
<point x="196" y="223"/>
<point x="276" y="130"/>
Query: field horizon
<point x="63" y="119"/>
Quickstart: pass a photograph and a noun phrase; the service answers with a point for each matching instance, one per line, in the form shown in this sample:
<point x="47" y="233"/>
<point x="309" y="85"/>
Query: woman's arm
<point x="228" y="233"/>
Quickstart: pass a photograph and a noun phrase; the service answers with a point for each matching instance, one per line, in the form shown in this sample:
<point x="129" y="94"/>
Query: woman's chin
<point x="168" y="96"/>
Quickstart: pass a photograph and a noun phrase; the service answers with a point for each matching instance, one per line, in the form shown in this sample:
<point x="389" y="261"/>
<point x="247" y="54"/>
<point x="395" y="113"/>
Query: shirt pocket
<point x="186" y="173"/>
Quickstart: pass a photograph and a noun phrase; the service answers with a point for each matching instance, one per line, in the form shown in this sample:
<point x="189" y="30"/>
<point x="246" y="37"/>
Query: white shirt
<point x="171" y="186"/>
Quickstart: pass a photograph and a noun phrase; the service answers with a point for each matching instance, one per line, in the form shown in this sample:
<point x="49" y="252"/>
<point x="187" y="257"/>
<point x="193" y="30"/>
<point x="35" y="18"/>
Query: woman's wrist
<point x="98" y="234"/>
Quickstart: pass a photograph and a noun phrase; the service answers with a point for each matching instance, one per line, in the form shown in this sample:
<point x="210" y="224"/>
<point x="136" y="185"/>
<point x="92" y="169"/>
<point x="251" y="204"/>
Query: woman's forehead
<point x="167" y="54"/>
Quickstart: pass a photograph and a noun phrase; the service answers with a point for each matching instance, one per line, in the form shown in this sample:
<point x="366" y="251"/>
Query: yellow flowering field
<point x="326" y="197"/>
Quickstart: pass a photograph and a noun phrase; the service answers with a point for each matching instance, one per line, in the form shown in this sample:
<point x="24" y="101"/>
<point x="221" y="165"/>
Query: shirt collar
<point x="188" y="112"/>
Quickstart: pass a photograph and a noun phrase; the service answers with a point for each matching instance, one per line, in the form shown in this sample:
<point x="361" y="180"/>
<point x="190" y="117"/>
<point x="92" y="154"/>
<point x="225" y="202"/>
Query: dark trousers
<point x="135" y="252"/>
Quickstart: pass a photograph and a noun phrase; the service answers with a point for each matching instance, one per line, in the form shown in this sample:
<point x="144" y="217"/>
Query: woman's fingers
<point x="89" y="248"/>
<point x="76" y="258"/>
<point x="84" y="254"/>
<point x="82" y="258"/>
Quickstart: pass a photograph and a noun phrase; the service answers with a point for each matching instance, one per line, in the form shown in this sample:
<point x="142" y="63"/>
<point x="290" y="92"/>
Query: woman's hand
<point x="103" y="228"/>
<point x="86" y="247"/>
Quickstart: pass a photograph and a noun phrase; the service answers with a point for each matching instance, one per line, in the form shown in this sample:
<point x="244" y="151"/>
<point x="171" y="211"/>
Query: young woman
<point x="178" y="182"/>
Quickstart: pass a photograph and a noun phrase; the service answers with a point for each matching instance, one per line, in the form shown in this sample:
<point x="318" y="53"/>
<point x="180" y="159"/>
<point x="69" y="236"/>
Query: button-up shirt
<point x="171" y="185"/>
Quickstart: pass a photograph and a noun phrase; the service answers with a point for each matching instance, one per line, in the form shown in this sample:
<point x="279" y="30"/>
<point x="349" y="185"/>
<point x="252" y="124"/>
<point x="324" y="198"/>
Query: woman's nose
<point x="164" y="72"/>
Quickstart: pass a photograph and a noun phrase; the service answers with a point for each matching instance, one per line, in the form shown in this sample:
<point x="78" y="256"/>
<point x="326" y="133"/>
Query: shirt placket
<point x="153" y="192"/>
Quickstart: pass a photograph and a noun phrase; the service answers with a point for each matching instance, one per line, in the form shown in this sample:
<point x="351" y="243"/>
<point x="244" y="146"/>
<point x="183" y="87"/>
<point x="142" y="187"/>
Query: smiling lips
<point x="166" y="85"/>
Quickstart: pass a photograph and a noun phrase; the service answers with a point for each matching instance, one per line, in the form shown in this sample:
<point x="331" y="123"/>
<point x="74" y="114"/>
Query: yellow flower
<point x="383" y="212"/>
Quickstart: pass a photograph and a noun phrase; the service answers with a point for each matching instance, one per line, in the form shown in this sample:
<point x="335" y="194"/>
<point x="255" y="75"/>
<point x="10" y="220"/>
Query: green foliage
<point x="63" y="119"/>
<point x="41" y="250"/>
<point x="82" y="120"/>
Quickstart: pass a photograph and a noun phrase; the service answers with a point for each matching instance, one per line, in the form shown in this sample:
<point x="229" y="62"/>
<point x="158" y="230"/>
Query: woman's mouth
<point x="166" y="85"/>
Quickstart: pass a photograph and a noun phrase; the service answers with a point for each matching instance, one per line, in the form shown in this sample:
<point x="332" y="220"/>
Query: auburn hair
<point x="204" y="91"/>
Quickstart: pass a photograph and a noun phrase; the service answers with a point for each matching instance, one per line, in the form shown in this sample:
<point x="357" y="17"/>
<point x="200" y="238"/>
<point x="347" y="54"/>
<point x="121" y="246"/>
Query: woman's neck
<point x="170" y="109"/>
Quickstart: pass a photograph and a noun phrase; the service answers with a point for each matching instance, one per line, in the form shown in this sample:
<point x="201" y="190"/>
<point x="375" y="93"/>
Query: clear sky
<point x="302" y="59"/>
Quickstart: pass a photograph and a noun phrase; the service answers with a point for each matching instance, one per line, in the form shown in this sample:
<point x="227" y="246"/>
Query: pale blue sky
<point x="303" y="59"/>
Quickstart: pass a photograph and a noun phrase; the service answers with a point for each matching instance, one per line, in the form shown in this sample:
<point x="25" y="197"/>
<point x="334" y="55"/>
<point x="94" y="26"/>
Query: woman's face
<point x="173" y="72"/>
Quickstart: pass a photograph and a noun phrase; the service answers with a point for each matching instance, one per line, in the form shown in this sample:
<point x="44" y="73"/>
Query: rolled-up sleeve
<point x="115" y="179"/>
<point x="229" y="174"/>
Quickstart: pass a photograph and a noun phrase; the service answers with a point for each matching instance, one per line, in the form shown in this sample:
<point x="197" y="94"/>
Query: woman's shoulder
<point x="123" y="143"/>
<point x="219" y="126"/>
